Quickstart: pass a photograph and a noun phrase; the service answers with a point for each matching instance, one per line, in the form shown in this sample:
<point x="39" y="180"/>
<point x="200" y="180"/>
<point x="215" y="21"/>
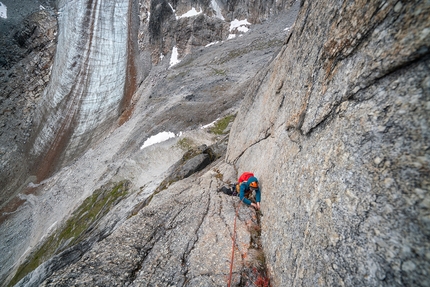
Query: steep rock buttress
<point x="337" y="128"/>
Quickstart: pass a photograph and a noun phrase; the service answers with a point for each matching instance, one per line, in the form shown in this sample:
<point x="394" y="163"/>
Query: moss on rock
<point x="76" y="227"/>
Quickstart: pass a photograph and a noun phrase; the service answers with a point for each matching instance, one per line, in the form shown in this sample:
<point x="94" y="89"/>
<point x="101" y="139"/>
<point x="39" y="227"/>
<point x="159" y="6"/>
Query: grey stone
<point x="368" y="174"/>
<point x="336" y="128"/>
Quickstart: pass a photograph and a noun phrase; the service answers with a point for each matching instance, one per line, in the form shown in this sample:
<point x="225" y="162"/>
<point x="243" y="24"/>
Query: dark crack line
<point x="172" y="224"/>
<point x="155" y="237"/>
<point x="146" y="249"/>
<point x="187" y="253"/>
<point x="255" y="143"/>
<point x="224" y="220"/>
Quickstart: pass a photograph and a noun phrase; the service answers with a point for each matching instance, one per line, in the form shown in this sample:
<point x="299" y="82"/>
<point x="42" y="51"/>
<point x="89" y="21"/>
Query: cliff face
<point x="105" y="50"/>
<point x="165" y="25"/>
<point x="205" y="86"/>
<point x="337" y="129"/>
<point x="87" y="83"/>
<point x="26" y="56"/>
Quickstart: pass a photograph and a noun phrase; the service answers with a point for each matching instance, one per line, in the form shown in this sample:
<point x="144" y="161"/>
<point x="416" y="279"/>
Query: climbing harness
<point x="232" y="248"/>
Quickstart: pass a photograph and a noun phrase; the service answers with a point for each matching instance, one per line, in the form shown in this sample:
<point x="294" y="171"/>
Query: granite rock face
<point x="337" y="130"/>
<point x="26" y="58"/>
<point x="183" y="237"/>
<point x="208" y="85"/>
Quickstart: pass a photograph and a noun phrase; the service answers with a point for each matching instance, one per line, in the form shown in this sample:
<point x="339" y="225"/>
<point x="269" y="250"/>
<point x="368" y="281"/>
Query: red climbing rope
<point x="232" y="248"/>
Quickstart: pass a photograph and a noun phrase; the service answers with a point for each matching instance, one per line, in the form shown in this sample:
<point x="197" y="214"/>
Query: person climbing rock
<point x="246" y="188"/>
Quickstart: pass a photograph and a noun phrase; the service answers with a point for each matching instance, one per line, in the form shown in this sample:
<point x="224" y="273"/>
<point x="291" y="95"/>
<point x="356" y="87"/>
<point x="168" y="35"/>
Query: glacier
<point x="88" y="80"/>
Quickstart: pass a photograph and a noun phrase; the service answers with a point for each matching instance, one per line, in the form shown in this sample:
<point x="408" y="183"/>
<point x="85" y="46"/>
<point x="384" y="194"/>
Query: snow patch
<point x="172" y="7"/>
<point x="243" y="29"/>
<point x="3" y="11"/>
<point x="158" y="138"/>
<point x="174" y="58"/>
<point x="191" y="13"/>
<point x="209" y="125"/>
<point x="231" y="36"/>
<point x="240" y="25"/>
<point x="210" y="44"/>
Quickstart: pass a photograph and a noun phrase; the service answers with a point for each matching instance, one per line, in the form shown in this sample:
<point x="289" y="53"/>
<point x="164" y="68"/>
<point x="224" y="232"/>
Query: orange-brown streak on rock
<point x="50" y="161"/>
<point x="15" y="203"/>
<point x="127" y="106"/>
<point x="10" y="208"/>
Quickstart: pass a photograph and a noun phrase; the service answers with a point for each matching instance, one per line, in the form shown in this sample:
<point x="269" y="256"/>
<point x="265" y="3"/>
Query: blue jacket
<point x="244" y="187"/>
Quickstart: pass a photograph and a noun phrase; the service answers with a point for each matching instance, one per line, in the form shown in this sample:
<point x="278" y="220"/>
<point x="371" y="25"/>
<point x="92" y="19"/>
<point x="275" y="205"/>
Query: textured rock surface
<point x="205" y="86"/>
<point x="165" y="24"/>
<point x="337" y="129"/>
<point x="26" y="57"/>
<point x="182" y="238"/>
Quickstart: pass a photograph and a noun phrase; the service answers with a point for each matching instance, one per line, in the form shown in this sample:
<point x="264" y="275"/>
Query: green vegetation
<point x="186" y="143"/>
<point x="222" y="124"/>
<point x="75" y="229"/>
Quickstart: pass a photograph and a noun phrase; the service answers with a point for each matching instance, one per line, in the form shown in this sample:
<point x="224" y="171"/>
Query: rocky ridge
<point x="164" y="25"/>
<point x="336" y="128"/>
<point x="207" y="84"/>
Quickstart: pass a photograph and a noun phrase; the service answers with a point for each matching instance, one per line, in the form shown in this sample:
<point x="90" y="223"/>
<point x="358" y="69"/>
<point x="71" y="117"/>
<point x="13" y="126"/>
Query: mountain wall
<point x="26" y="55"/>
<point x="206" y="85"/>
<point x="105" y="51"/>
<point x="333" y="120"/>
<point x="165" y="25"/>
<point x="337" y="130"/>
<point x="87" y="84"/>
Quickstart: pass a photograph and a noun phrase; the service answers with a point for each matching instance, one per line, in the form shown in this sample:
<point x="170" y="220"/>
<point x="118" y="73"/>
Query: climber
<point x="244" y="188"/>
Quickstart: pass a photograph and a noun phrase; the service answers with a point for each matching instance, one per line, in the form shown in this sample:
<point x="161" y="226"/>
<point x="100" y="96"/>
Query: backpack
<point x="244" y="177"/>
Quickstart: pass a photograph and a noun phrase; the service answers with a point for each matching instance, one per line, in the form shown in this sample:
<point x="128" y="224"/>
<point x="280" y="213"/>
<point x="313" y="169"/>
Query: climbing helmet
<point x="253" y="185"/>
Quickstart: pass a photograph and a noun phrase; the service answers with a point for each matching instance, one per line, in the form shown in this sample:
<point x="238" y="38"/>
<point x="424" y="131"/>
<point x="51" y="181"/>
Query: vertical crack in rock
<point x="189" y="249"/>
<point x="143" y="253"/>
